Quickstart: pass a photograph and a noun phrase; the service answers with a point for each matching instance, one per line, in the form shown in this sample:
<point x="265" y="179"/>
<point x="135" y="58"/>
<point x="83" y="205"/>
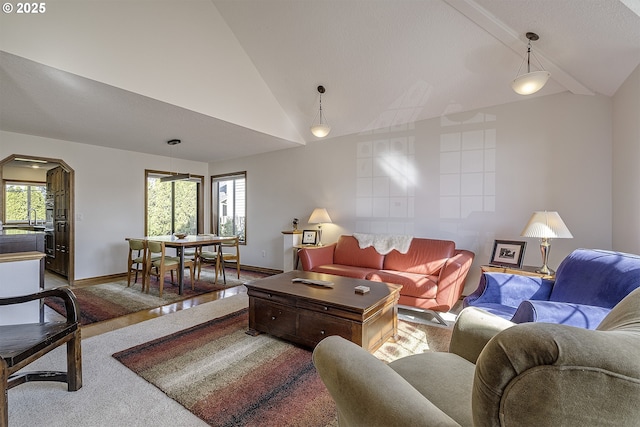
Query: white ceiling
<point x="383" y="63"/>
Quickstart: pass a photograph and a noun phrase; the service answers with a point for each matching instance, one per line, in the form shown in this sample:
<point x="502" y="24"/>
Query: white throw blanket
<point x="384" y="243"/>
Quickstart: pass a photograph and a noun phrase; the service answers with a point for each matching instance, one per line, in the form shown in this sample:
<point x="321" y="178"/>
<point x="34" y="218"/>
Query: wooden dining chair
<point x="158" y="260"/>
<point x="209" y="257"/>
<point x="219" y="256"/>
<point x="231" y="254"/>
<point x="136" y="260"/>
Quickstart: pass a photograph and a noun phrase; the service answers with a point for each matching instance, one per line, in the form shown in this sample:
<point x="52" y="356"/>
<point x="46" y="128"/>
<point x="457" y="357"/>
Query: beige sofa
<point x="530" y="374"/>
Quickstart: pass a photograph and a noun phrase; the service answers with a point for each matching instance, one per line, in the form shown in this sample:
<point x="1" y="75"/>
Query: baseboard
<point x="256" y="269"/>
<point x="90" y="281"/>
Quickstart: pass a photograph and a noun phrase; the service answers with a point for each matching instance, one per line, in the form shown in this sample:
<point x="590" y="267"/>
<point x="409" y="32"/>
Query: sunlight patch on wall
<point x="385" y="188"/>
<point x="467" y="166"/>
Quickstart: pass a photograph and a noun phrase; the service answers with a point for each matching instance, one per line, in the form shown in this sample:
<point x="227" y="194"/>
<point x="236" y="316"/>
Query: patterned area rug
<point x="228" y="378"/>
<point x="114" y="299"/>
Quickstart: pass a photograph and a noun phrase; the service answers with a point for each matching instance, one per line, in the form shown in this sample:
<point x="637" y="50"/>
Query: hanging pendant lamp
<point x="532" y="81"/>
<point x="321" y="128"/>
<point x="174" y="176"/>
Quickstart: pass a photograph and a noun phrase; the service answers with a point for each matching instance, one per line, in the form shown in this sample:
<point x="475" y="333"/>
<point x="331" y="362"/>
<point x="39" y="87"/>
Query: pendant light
<point x="532" y="81"/>
<point x="175" y="176"/>
<point x="322" y="128"/>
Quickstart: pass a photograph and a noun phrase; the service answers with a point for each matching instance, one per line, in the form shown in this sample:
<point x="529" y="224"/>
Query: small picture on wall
<point x="508" y="253"/>
<point x="309" y="237"/>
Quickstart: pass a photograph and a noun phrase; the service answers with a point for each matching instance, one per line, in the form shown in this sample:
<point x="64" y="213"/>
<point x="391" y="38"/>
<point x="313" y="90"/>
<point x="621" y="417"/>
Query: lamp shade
<point x="319" y="216"/>
<point x="321" y="130"/>
<point x="547" y="225"/>
<point x="529" y="83"/>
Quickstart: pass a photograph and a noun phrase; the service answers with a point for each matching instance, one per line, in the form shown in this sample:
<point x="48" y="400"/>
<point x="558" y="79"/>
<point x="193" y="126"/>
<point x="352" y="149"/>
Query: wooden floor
<point x="53" y="280"/>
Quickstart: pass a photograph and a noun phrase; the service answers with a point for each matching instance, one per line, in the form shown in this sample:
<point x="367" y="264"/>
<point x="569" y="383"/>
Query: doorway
<point x="18" y="165"/>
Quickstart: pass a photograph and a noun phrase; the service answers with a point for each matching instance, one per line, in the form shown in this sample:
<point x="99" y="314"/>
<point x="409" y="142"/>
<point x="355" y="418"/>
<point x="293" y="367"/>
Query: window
<point x="25" y="201"/>
<point x="173" y="207"/>
<point x="229" y="204"/>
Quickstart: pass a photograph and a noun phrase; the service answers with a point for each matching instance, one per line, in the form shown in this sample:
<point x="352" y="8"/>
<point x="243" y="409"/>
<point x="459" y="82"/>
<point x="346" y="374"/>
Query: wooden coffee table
<point x="305" y="314"/>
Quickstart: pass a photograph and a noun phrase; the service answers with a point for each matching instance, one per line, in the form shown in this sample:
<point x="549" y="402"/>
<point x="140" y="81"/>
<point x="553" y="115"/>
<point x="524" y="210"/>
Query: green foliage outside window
<point x="172" y="207"/>
<point x="20" y="198"/>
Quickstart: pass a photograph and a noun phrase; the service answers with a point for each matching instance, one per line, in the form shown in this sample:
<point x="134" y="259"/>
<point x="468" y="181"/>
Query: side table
<point x="526" y="270"/>
<point x="292" y="238"/>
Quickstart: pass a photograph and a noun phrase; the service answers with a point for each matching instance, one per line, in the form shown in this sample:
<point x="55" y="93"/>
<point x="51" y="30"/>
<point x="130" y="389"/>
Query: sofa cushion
<point x="425" y="256"/>
<point x="343" y="270"/>
<point x="596" y="277"/>
<point x="413" y="285"/>
<point x="348" y="252"/>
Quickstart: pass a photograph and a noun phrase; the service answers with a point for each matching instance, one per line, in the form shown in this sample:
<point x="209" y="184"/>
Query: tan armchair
<point x="531" y="374"/>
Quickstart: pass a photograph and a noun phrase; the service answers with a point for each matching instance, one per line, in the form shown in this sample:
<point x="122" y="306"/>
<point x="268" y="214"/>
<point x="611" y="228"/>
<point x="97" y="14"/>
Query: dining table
<point x="189" y="241"/>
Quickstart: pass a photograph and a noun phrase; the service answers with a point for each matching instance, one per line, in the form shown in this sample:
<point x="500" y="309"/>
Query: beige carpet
<point x="112" y="395"/>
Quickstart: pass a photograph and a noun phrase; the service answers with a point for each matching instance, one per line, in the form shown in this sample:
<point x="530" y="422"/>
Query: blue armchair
<point x="588" y="284"/>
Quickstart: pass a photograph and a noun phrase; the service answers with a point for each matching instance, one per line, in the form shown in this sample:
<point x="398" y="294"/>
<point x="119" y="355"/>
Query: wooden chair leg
<point x="74" y="363"/>
<point x="4" y="410"/>
<point x="215" y="281"/>
<point x="161" y="279"/>
<point x="129" y="276"/>
<point x="146" y="281"/>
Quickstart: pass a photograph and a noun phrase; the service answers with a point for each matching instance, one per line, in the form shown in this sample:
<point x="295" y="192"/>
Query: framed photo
<point x="508" y="253"/>
<point x="309" y="237"/>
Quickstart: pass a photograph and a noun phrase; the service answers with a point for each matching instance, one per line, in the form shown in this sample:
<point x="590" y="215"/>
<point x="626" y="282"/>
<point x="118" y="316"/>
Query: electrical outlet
<point x="264" y="254"/>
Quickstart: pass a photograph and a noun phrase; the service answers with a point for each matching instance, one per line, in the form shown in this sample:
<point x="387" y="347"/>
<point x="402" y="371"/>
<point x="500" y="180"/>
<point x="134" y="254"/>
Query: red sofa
<point x="432" y="272"/>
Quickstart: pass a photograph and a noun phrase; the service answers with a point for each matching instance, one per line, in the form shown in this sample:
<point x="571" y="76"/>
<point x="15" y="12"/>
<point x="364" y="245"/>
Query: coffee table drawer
<point x="269" y="296"/>
<point x="326" y="309"/>
<point x="315" y="328"/>
<point x="274" y="318"/>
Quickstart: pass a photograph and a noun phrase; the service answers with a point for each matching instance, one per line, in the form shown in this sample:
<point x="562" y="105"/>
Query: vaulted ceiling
<point x="235" y="78"/>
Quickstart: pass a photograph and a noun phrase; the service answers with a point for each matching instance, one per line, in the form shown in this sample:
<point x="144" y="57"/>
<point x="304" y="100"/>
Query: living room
<point x="561" y="152"/>
<point x="557" y="150"/>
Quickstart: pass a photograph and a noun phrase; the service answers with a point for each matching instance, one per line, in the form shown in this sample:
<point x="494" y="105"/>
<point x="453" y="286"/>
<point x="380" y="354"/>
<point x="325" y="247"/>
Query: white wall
<point x="626" y="161"/>
<point x="109" y="196"/>
<point x="471" y="178"/>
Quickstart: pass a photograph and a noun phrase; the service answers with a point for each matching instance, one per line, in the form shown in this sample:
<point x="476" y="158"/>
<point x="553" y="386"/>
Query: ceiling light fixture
<point x="174" y="176"/>
<point x="321" y="129"/>
<point x="22" y="159"/>
<point x="532" y="81"/>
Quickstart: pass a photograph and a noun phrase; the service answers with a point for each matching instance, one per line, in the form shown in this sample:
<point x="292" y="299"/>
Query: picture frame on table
<point x="310" y="237"/>
<point x="508" y="253"/>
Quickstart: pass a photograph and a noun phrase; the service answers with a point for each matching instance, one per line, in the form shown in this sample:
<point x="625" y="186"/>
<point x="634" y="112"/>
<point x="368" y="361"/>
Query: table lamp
<point x="319" y="216"/>
<point x="546" y="226"/>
